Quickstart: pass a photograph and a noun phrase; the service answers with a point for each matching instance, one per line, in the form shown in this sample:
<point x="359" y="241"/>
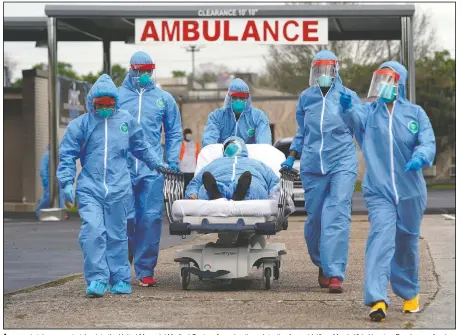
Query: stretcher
<point x="242" y="226"/>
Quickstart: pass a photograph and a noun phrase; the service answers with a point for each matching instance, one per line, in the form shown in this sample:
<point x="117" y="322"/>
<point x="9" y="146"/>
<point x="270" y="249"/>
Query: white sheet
<point x="224" y="208"/>
<point x="262" y="152"/>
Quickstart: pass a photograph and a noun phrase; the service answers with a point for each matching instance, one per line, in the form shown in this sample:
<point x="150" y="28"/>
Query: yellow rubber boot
<point x="412" y="305"/>
<point x="378" y="311"/>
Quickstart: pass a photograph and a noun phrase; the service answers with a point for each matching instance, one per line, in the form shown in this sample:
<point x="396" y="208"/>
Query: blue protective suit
<point x="252" y="126"/>
<point x="328" y="171"/>
<point x="154" y="109"/>
<point x="227" y="171"/>
<point x="395" y="199"/>
<point x="103" y="187"/>
<point x="45" y="200"/>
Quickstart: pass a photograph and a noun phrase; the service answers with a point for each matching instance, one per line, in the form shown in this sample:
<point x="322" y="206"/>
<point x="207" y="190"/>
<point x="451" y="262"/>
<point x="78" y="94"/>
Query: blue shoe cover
<point x="121" y="288"/>
<point x="96" y="288"/>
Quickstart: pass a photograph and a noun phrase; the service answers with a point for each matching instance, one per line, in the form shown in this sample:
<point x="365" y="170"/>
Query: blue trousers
<point x="103" y="238"/>
<point x="145" y="229"/>
<point x="392" y="250"/>
<point x="327" y="228"/>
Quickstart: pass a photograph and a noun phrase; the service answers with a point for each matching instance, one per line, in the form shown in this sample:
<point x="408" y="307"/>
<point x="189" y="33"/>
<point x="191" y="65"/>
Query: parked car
<point x="298" y="195"/>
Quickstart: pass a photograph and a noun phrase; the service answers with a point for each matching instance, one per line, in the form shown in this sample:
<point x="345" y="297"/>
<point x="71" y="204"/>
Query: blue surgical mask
<point x="324" y="80"/>
<point x="105" y="112"/>
<point x="144" y="79"/>
<point x="238" y="105"/>
<point x="231" y="150"/>
<point x="387" y="92"/>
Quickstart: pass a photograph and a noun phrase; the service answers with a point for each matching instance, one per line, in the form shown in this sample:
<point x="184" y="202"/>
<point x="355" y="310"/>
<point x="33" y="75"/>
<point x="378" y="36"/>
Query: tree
<point x="208" y="72"/>
<point x="178" y="74"/>
<point x="436" y="93"/>
<point x="64" y="69"/>
<point x="10" y="66"/>
<point x="288" y="70"/>
<point x="118" y="74"/>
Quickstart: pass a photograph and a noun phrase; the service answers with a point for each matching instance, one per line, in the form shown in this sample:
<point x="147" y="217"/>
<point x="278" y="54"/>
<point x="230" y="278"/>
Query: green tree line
<point x="118" y="73"/>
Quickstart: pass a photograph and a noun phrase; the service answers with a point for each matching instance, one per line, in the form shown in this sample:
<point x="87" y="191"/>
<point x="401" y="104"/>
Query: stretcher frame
<point x="241" y="244"/>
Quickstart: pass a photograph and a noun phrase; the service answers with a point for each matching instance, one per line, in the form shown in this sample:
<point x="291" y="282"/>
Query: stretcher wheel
<point x="276" y="270"/>
<point x="185" y="277"/>
<point x="267" y="278"/>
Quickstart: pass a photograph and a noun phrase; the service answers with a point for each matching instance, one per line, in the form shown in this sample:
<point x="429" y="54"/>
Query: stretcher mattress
<point x="224" y="208"/>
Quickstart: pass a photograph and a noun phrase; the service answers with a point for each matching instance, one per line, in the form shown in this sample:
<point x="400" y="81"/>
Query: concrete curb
<point x="54" y="283"/>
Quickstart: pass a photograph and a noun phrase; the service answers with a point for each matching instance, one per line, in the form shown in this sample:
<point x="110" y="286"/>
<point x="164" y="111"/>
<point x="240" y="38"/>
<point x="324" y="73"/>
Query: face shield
<point x="232" y="148"/>
<point x="384" y="84"/>
<point x="239" y="101"/>
<point x="104" y="106"/>
<point x="323" y="72"/>
<point x="143" y="74"/>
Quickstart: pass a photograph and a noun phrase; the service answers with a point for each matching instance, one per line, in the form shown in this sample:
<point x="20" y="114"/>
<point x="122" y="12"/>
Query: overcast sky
<point x="174" y="57"/>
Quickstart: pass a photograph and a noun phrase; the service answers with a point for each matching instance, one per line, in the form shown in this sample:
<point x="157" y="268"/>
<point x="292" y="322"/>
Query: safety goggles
<point x="240" y="95"/>
<point x="143" y="68"/>
<point x="106" y="101"/>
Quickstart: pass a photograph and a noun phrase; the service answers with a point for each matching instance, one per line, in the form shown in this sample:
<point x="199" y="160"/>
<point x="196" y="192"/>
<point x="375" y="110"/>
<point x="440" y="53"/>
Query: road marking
<point x="449" y="216"/>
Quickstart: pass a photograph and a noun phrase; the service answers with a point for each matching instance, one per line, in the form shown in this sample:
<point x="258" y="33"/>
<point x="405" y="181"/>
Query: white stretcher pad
<point x="265" y="153"/>
<point x="224" y="208"/>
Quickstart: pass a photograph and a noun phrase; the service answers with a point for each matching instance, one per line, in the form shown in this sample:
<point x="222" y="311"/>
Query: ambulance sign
<point x="230" y="30"/>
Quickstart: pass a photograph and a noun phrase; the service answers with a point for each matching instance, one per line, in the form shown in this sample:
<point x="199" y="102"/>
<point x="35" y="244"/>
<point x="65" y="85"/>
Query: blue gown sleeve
<point x="426" y="137"/>
<point x="173" y="131"/>
<point x="69" y="152"/>
<point x="297" y="143"/>
<point x="211" y="133"/>
<point x="263" y="131"/>
<point x="195" y="184"/>
<point x="140" y="148"/>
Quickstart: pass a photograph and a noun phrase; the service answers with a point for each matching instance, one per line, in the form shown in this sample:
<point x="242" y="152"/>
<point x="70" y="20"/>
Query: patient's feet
<point x="211" y="186"/>
<point x="243" y="185"/>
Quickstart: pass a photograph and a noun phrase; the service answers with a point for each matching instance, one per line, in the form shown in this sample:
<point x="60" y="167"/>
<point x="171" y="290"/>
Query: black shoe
<point x="211" y="186"/>
<point x="243" y="185"/>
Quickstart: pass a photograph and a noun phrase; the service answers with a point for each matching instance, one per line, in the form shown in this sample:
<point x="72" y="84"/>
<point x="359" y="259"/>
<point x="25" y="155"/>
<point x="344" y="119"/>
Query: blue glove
<point x="415" y="164"/>
<point x="69" y="193"/>
<point x="288" y="163"/>
<point x="345" y="100"/>
<point x="174" y="167"/>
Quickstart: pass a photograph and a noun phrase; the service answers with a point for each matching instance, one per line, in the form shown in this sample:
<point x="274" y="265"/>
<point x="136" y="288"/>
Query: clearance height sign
<point x="231" y="30"/>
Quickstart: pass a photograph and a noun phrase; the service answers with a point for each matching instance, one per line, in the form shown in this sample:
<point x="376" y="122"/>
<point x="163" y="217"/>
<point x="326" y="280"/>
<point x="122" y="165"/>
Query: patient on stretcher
<point x="234" y="176"/>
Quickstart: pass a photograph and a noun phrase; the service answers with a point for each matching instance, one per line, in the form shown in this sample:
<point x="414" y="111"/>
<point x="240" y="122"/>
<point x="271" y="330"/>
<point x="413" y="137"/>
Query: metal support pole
<point x="404" y="44"/>
<point x="410" y="59"/>
<point x="107" y="57"/>
<point x="53" y="108"/>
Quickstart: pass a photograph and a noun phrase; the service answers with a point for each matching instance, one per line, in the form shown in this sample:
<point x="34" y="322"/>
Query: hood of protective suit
<point x="104" y="86"/>
<point x="238" y="85"/>
<point x="401" y="70"/>
<point x="139" y="57"/>
<point x="326" y="54"/>
<point x="244" y="152"/>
